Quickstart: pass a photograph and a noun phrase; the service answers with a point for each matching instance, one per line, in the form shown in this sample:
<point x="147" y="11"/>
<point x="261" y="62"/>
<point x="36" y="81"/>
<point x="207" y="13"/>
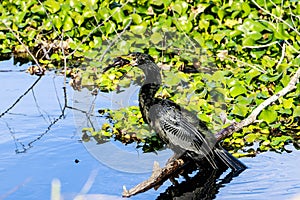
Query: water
<point x="33" y="153"/>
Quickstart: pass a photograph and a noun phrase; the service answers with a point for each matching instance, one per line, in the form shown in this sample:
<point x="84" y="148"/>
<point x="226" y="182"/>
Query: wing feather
<point x="179" y="129"/>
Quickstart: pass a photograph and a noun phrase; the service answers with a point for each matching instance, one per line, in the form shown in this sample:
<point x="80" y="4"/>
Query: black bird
<point x="180" y="129"/>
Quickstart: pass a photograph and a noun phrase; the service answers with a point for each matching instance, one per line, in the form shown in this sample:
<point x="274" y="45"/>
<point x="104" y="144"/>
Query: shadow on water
<point x="41" y="127"/>
<point x="204" y="185"/>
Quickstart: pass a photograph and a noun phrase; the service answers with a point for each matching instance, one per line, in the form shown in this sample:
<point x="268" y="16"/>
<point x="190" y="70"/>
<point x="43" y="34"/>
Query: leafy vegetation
<point x="217" y="57"/>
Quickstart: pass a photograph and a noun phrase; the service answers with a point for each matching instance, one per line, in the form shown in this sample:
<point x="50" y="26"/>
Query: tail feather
<point x="229" y="160"/>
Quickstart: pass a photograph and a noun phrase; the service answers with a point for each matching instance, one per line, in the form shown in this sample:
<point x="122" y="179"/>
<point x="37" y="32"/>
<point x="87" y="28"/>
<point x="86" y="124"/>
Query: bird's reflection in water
<point x="204" y="185"/>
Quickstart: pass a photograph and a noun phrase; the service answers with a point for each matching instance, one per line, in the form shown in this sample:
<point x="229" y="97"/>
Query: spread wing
<point x="180" y="129"/>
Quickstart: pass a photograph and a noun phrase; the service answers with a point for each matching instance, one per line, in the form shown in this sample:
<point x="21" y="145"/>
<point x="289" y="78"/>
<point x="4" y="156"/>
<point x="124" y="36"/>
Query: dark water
<point x="33" y="152"/>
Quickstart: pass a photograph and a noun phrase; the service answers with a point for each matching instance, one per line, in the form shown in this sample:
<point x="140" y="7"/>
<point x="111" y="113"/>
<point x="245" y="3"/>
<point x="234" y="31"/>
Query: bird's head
<point x="139" y="59"/>
<point x="143" y="61"/>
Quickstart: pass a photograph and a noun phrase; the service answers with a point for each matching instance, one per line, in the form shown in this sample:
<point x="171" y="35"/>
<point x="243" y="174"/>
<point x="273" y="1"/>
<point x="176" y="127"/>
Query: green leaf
<point x="118" y="14"/>
<point x="156" y="37"/>
<point x="87" y="13"/>
<point x="38" y="9"/>
<point x="296" y="112"/>
<point x="264" y="78"/>
<point x="268" y="116"/>
<point x="288" y="103"/>
<point x="219" y="36"/>
<point x="177" y="7"/>
<point x="246" y="8"/>
<point x="248" y="42"/>
<point x="255" y="35"/>
<point x="52" y="6"/>
<point x="250" y="138"/>
<point x="79" y="19"/>
<point x="68" y="23"/>
<point x="237" y="89"/>
<point x="139" y="29"/>
<point x="110" y="27"/>
<point x="183" y="24"/>
<point x="221" y="14"/>
<point x="251" y="74"/>
<point x="240" y="110"/>
<point x="244" y="100"/>
<point x="57" y="22"/>
<point x="285" y="80"/>
<point x="137" y="19"/>
<point x="281" y="33"/>
<point x="204" y="117"/>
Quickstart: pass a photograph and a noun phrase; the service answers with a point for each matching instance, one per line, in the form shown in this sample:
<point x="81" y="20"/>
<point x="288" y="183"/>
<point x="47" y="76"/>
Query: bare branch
<point x="19" y="99"/>
<point x="252" y="117"/>
<point x="260" y="46"/>
<point x="25" y="47"/>
<point x="115" y="40"/>
<point x="94" y="29"/>
<point x="282" y="56"/>
<point x="65" y="59"/>
<point x="257" y="67"/>
<point x="278" y="18"/>
<point x="159" y="175"/>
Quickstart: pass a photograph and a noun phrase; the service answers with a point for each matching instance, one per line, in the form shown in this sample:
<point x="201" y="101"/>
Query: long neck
<point x="146" y="99"/>
<point x="147" y="92"/>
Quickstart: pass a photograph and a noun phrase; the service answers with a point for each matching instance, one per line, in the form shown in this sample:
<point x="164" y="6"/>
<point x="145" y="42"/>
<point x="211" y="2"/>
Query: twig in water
<point x="13" y="105"/>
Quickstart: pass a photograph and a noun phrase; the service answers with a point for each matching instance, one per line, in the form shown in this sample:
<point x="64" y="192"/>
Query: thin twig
<point x="278" y="18"/>
<point x="282" y="56"/>
<point x="252" y="117"/>
<point x="260" y="46"/>
<point x="65" y="58"/>
<point x="26" y="48"/>
<point x="94" y="29"/>
<point x="115" y="40"/>
<point x="292" y="47"/>
<point x="61" y="116"/>
<point x="13" y="105"/>
<point x="257" y="67"/>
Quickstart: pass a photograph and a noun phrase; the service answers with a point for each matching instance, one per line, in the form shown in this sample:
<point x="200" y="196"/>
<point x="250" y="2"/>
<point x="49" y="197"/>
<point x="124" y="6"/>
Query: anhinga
<point x="184" y="133"/>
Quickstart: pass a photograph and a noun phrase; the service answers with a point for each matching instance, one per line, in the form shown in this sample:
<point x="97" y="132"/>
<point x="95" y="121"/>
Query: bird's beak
<point x="117" y="62"/>
<point x="131" y="58"/>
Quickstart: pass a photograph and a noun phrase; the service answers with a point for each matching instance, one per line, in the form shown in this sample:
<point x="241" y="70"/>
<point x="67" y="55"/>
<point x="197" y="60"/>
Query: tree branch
<point x="26" y="48"/>
<point x="252" y="117"/>
<point x="159" y="175"/>
<point x="278" y="18"/>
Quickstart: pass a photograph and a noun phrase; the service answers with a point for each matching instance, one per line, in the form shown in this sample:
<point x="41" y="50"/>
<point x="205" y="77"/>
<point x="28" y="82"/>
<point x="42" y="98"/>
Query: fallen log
<point x="159" y="175"/>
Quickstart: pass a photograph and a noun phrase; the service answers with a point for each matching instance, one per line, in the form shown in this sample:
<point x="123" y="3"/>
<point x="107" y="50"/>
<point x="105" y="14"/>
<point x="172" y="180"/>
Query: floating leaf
<point x="240" y="110"/>
<point x="52" y="6"/>
<point x="156" y="38"/>
<point x="68" y="23"/>
<point x="137" y="19"/>
<point x="296" y="112"/>
<point x="139" y="29"/>
<point x="287" y="103"/>
<point x="79" y="19"/>
<point x="250" y="138"/>
<point x="268" y="116"/>
<point x="237" y="89"/>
